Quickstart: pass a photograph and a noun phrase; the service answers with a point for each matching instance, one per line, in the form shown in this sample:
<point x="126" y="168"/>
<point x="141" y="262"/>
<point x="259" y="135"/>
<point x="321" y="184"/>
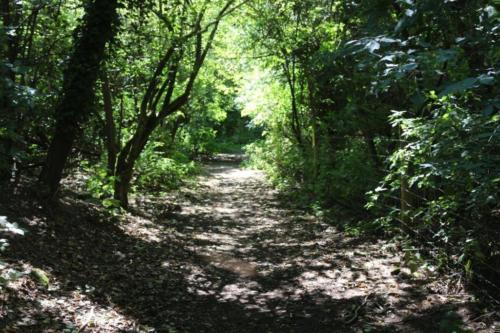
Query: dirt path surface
<point x="229" y="256"/>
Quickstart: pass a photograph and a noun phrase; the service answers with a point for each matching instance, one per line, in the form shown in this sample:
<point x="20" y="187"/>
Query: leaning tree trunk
<point x="128" y="158"/>
<point x="148" y="122"/>
<point x="78" y="87"/>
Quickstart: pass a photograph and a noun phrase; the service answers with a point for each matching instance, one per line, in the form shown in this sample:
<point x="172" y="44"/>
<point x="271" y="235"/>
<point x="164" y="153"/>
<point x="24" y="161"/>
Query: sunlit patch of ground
<point x="225" y="256"/>
<point x="276" y="259"/>
<point x="63" y="312"/>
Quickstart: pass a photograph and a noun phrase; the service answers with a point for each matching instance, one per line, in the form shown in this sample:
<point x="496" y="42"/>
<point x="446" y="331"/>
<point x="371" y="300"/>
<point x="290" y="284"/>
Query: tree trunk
<point x="291" y="80"/>
<point x="78" y="87"/>
<point x="125" y="170"/>
<point x="11" y="12"/>
<point x="124" y="173"/>
<point x="315" y="130"/>
<point x="109" y="125"/>
<point x="28" y="44"/>
<point x="148" y="122"/>
<point x="372" y="149"/>
<point x="127" y="159"/>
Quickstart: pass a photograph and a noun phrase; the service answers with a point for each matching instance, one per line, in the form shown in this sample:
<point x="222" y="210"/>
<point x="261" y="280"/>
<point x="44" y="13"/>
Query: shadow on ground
<point x="233" y="259"/>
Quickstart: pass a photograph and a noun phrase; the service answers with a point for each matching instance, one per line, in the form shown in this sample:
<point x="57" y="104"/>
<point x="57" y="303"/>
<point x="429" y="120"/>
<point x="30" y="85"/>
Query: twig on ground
<point x="357" y="309"/>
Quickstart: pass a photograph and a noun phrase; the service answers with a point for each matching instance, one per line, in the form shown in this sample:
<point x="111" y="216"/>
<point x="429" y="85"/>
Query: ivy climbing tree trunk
<point x="97" y="29"/>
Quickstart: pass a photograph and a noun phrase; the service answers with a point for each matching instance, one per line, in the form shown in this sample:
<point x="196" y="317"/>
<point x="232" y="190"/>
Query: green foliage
<point x="40" y="277"/>
<point x="332" y="99"/>
<point x="157" y="173"/>
<point x="345" y="176"/>
<point x="101" y="186"/>
<point x="225" y="147"/>
<point x="431" y="167"/>
<point x="450" y="161"/>
<point x="8" y="229"/>
<point x="33" y="47"/>
<point x="198" y="139"/>
<point x="282" y="164"/>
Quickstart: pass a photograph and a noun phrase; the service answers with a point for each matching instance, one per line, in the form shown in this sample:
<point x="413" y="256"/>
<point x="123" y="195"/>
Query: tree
<point x="98" y="28"/>
<point x="11" y="17"/>
<point x="172" y="82"/>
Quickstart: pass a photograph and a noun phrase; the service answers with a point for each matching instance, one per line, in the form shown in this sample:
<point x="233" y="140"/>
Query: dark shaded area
<point x="233" y="259"/>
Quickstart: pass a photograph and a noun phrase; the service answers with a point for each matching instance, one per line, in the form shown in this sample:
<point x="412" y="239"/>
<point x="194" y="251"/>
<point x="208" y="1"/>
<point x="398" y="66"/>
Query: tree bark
<point x="290" y="74"/>
<point x="78" y="87"/>
<point x="126" y="163"/>
<point x="372" y="149"/>
<point x="109" y="125"/>
<point x="11" y="14"/>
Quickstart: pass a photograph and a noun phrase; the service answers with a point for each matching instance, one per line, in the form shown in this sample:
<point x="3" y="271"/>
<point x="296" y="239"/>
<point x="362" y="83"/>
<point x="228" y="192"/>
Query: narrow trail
<point x="299" y="274"/>
<point x="230" y="256"/>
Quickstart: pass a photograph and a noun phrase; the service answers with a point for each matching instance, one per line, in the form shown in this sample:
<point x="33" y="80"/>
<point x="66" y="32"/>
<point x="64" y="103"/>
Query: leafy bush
<point x="100" y="185"/>
<point x="157" y="173"/>
<point x="450" y="163"/>
<point x="345" y="175"/>
<point x="281" y="162"/>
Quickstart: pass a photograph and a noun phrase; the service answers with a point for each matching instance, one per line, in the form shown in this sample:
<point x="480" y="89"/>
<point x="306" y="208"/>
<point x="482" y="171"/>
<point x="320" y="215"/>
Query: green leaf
<point x="40" y="276"/>
<point x="486" y="79"/>
<point x="110" y="203"/>
<point x="447" y="55"/>
<point x="460" y="86"/>
<point x="404" y="23"/>
<point x="418" y="99"/>
<point x="372" y="46"/>
<point x="13" y="228"/>
<point x="468" y="268"/>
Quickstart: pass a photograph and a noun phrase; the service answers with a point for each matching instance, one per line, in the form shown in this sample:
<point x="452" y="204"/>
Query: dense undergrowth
<point x="397" y="123"/>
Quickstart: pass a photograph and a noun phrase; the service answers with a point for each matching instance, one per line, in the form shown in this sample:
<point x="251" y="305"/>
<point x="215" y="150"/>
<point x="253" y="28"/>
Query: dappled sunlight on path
<point x="227" y="255"/>
<point x="266" y="256"/>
